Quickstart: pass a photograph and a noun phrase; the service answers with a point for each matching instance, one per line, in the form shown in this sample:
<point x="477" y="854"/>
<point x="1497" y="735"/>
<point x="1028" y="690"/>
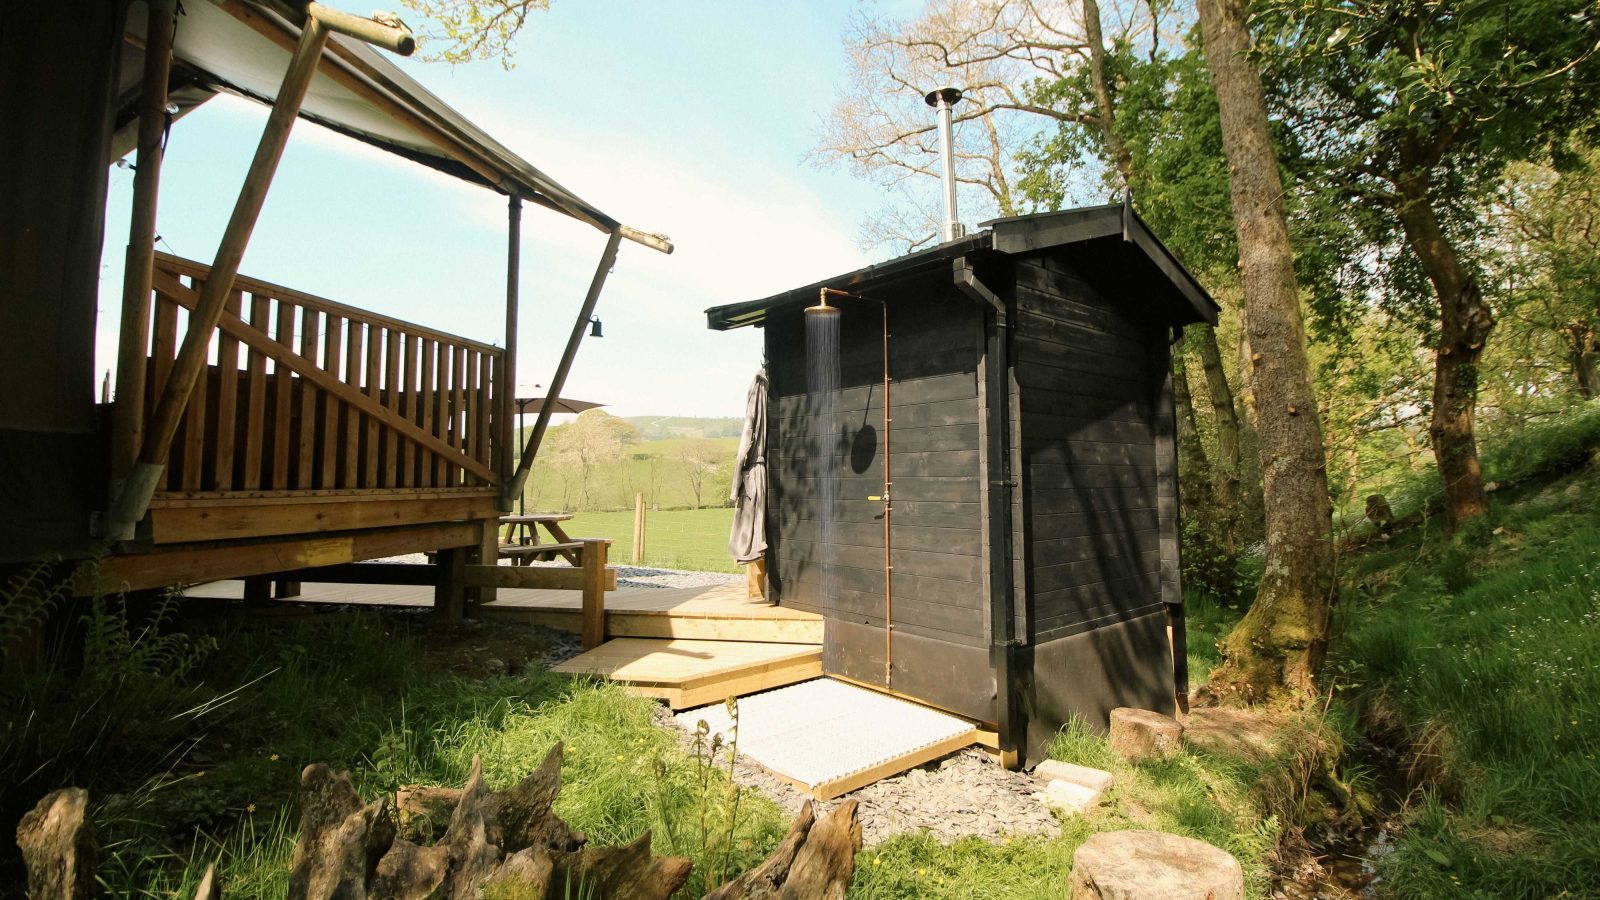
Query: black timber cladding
<point x="1092" y="300"/>
<point x="936" y="536"/>
<point x="1090" y="369"/>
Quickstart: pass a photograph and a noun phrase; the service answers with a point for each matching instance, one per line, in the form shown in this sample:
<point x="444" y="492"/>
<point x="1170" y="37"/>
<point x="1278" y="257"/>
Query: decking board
<point x="690" y="673"/>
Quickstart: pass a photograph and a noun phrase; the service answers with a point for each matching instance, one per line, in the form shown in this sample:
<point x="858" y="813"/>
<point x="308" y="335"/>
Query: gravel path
<point x="965" y="793"/>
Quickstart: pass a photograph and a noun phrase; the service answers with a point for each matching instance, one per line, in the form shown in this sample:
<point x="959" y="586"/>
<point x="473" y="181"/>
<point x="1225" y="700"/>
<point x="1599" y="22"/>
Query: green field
<point x="655" y="468"/>
<point x="695" y="539"/>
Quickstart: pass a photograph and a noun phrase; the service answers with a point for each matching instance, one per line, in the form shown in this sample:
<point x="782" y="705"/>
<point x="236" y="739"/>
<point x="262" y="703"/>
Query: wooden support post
<point x="593" y="558"/>
<point x="283" y="588"/>
<point x="258" y="590"/>
<point x="449" y="586"/>
<point x="638" y="529"/>
<point x="486" y="553"/>
<point x="580" y="327"/>
<point x="134" y="337"/>
<point x="134" y="498"/>
<point x="505" y="386"/>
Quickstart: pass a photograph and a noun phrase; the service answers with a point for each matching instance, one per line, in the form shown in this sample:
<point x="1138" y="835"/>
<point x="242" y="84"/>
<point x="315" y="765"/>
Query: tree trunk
<point x="1223" y="498"/>
<point x="1278" y="646"/>
<point x="1465" y="321"/>
<point x="1581" y="341"/>
<point x="1194" y="470"/>
<point x="1225" y="467"/>
<point x="1102" y="91"/>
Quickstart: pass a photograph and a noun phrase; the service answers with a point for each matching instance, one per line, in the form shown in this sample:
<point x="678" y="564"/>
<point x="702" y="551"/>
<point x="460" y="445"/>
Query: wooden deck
<point x="694" y="673"/>
<point x="719" y="612"/>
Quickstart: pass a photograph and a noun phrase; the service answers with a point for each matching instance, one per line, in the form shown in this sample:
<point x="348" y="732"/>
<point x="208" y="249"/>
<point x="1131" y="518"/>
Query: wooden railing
<point x="304" y="394"/>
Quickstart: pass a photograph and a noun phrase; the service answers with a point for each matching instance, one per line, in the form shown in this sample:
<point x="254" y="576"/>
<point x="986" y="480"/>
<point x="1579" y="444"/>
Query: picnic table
<point x="522" y="541"/>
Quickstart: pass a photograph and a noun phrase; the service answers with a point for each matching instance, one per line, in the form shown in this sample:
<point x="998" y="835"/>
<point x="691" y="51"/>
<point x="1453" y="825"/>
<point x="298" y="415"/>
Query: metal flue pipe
<point x="943" y="100"/>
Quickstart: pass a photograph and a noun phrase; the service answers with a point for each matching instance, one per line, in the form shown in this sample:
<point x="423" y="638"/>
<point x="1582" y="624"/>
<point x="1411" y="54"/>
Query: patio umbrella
<point x="561" y="405"/>
<point x="748" y="539"/>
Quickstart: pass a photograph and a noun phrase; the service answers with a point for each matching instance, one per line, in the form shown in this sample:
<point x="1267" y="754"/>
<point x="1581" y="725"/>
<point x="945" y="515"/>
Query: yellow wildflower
<point x="250" y="808"/>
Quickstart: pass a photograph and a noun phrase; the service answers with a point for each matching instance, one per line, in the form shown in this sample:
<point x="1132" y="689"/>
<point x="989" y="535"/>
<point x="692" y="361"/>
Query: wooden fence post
<point x="638" y="529"/>
<point x="593" y="558"/>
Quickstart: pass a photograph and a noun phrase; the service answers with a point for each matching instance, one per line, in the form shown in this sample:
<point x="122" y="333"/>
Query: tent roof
<point x="1012" y="236"/>
<point x="243" y="47"/>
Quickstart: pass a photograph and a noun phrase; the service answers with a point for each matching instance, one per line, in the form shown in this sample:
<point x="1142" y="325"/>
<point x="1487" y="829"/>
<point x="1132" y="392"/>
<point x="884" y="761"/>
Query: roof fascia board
<point x="753" y="312"/>
<point x="1025" y="234"/>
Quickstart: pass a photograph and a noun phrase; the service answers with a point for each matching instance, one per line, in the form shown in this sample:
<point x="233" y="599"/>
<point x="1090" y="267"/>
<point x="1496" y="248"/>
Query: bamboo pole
<point x="134" y="335"/>
<point x="505" y="389"/>
<point x="140" y="486"/>
<point x="579" y="327"/>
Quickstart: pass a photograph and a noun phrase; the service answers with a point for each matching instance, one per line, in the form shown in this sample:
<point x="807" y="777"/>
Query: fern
<point x="26" y="603"/>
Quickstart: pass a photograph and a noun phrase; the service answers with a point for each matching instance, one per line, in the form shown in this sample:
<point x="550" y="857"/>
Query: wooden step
<point x="799" y="628"/>
<point x="693" y="673"/>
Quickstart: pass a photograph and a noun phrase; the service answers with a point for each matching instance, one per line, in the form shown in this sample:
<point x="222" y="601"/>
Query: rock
<point x="1139" y="734"/>
<point x="1152" y="865"/>
<point x="1070" y="796"/>
<point x="494" y="668"/>
<point x="58" y="846"/>
<point x="1056" y="770"/>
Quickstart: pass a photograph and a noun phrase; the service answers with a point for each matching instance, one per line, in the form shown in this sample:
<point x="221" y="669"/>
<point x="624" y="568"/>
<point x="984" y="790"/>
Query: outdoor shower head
<point x="822" y="308"/>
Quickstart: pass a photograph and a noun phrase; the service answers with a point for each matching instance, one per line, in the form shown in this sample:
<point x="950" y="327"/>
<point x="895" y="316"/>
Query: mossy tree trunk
<point x="1278" y="647"/>
<point x="1465" y="321"/>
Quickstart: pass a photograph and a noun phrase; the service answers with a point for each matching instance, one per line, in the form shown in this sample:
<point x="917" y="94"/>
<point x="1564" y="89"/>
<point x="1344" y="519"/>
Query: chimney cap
<point x="947" y="95"/>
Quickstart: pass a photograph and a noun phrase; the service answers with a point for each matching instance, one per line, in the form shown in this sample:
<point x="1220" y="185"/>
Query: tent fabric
<point x="228" y="46"/>
<point x="748" y="539"/>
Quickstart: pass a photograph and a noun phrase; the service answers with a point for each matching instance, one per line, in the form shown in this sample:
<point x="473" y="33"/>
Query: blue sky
<point x="692" y="119"/>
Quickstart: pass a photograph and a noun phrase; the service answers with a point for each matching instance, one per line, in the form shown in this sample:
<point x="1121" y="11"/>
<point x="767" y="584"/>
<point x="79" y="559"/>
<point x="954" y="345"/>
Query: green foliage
<point x="461" y="31"/>
<point x="411" y="724"/>
<point x="1208" y="568"/>
<point x="1478" y="655"/>
<point x="104" y="702"/>
<point x="1167" y="118"/>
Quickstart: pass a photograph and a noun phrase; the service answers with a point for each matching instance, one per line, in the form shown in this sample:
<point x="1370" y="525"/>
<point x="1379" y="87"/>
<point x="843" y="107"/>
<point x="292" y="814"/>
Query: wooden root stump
<point x="507" y="842"/>
<point x="1153" y="865"/>
<point x="1139" y="734"/>
<point x="816" y="859"/>
<point x="429" y="843"/>
<point x="58" y="846"/>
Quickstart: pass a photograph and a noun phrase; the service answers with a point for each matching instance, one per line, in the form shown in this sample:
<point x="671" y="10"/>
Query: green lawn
<point x="695" y="539"/>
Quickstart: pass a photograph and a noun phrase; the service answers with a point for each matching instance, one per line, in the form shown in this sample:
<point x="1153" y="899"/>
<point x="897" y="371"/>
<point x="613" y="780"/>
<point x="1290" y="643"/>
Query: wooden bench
<point x="522" y="554"/>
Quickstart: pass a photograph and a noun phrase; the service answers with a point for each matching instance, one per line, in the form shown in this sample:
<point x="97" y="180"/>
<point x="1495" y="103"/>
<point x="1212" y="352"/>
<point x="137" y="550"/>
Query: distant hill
<point x="654" y="428"/>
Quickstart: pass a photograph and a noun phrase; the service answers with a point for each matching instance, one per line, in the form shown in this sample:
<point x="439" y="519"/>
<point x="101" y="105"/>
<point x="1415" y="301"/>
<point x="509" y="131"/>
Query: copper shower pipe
<point x="888" y="501"/>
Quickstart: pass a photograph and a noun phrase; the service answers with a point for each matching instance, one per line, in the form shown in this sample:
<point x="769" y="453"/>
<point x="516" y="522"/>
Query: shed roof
<point x="1012" y="236"/>
<point x="243" y="47"/>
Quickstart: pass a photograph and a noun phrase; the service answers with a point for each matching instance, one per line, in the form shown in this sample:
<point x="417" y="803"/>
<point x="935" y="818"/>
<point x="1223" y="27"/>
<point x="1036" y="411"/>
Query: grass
<point x="1479" y="657"/>
<point x="230" y="796"/>
<point x="694" y="539"/>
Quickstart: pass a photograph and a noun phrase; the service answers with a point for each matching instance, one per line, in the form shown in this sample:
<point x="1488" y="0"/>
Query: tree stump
<point x="58" y="846"/>
<point x="816" y="859"/>
<point x="1379" y="514"/>
<point x="1153" y="865"/>
<point x="510" y="841"/>
<point x="1139" y="734"/>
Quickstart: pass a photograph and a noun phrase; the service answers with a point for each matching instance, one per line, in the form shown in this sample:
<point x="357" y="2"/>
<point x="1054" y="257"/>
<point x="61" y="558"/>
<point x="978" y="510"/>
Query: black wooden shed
<point x="1031" y="493"/>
